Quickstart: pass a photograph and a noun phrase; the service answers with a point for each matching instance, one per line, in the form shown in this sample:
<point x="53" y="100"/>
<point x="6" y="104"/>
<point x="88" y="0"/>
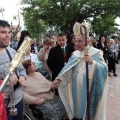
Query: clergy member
<point x="72" y="80"/>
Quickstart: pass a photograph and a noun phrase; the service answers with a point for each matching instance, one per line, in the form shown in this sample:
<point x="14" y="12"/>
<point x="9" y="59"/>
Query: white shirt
<point x="32" y="57"/>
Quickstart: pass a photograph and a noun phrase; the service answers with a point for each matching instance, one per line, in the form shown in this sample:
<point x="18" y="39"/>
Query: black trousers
<point x="111" y="64"/>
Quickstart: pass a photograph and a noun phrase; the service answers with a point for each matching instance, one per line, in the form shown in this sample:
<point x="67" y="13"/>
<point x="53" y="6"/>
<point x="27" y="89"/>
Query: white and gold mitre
<point x="79" y="30"/>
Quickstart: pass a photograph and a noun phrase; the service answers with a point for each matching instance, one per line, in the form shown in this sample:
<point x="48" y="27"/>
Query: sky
<point x="11" y="9"/>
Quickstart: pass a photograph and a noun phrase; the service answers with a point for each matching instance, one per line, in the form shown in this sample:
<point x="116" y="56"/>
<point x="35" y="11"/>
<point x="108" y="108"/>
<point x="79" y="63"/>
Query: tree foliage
<point x="2" y="10"/>
<point x="62" y="14"/>
<point x="104" y="25"/>
<point x="34" y="25"/>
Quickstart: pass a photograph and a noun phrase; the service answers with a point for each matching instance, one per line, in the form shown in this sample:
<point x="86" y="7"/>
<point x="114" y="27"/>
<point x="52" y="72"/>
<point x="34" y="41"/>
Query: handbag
<point x="3" y="112"/>
<point x="17" y="85"/>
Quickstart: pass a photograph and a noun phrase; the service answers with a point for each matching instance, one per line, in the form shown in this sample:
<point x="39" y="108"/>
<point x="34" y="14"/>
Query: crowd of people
<point x="111" y="51"/>
<point x="52" y="74"/>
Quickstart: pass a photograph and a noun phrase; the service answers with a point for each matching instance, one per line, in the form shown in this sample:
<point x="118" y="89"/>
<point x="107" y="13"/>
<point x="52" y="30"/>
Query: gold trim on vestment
<point x="100" y="53"/>
<point x="81" y="58"/>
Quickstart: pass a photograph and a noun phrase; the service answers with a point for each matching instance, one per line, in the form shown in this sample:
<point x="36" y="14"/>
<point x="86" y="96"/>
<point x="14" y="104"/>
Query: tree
<point x="2" y="10"/>
<point x="62" y="14"/>
<point x="34" y="25"/>
<point x="14" y="30"/>
<point x="17" y="29"/>
<point x="104" y="25"/>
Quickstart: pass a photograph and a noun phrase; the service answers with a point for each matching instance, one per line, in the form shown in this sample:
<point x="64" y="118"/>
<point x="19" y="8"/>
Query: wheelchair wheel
<point x="28" y="116"/>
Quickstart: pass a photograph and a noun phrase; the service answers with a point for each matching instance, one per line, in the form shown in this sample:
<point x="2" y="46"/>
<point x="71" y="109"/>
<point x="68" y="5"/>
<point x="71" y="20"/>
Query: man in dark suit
<point x="59" y="55"/>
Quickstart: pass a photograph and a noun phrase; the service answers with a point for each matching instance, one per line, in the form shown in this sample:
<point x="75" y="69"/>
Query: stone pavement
<point x="113" y="98"/>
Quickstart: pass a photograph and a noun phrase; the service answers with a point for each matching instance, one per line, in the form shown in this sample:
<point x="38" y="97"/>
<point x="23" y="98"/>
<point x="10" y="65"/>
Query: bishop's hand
<point x="88" y="59"/>
<point x="55" y="83"/>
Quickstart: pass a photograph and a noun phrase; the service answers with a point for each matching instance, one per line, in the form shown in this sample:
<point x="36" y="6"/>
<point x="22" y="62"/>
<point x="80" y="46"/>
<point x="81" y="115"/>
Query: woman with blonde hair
<point x="43" y="55"/>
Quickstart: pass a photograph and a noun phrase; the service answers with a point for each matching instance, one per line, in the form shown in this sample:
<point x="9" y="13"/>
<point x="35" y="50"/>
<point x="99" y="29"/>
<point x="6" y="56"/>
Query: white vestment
<point x="72" y="88"/>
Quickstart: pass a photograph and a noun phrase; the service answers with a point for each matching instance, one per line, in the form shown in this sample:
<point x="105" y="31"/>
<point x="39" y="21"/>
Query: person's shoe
<point x="110" y="75"/>
<point x="117" y="62"/>
<point x="115" y="75"/>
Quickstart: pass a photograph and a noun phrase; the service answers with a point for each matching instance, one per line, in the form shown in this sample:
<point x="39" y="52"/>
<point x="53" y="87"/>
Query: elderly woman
<point x="111" y="57"/>
<point x="39" y="91"/>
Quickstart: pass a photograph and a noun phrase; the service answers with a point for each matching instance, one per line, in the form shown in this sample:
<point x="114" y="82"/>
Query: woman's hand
<point x="113" y="51"/>
<point x="46" y="48"/>
<point x="40" y="101"/>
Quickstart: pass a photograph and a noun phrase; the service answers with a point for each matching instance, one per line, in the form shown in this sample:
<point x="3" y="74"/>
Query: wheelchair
<point x="28" y="116"/>
<point x="32" y="113"/>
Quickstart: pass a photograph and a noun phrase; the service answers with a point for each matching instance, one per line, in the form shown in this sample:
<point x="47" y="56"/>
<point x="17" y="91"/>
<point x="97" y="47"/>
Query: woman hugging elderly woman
<point x="39" y="91"/>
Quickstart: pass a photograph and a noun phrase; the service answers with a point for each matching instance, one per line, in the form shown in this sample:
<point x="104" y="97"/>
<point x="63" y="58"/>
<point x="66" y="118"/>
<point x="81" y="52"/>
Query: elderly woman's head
<point x="29" y="66"/>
